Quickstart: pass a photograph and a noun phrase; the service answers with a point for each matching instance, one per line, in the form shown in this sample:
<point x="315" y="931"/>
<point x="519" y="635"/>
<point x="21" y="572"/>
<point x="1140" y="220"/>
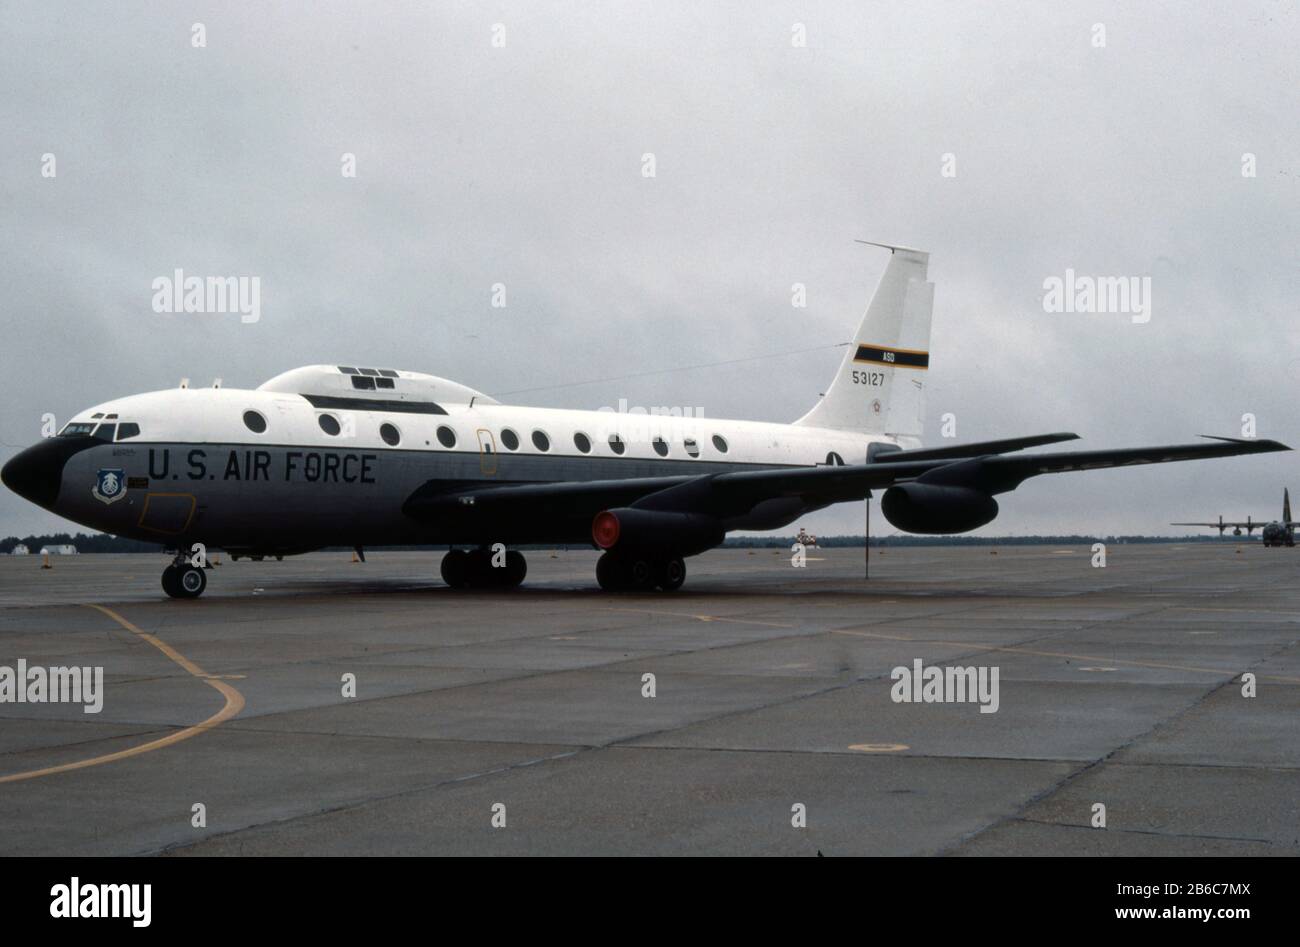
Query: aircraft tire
<point x="671" y="574"/>
<point x="190" y="581"/>
<point x="609" y="573"/>
<point x="641" y="575"/>
<point x="515" y="571"/>
<point x="479" y="573"/>
<point x="169" y="582"/>
<point x="455" y="569"/>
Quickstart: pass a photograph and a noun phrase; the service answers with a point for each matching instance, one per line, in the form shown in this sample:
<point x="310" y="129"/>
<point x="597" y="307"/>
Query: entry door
<point x="487" y="453"/>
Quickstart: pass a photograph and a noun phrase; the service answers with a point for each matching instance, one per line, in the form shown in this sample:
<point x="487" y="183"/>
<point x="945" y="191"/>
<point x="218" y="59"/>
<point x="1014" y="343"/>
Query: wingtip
<point x="1259" y="445"/>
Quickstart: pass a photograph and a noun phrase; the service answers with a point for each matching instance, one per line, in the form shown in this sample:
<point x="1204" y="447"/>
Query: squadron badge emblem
<point x="110" y="485"/>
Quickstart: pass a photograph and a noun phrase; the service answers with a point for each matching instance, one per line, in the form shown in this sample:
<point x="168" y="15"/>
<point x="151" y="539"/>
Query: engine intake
<point x="927" y="508"/>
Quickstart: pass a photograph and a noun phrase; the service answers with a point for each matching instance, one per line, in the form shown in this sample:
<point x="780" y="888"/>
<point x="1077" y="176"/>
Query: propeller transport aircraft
<point x="1276" y="533"/>
<point x="339" y="455"/>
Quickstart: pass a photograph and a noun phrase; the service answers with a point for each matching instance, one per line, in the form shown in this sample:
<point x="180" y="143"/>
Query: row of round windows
<point x="256" y="423"/>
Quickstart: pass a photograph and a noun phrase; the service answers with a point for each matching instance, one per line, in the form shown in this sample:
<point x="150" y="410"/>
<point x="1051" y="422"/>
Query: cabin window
<point x="510" y="439"/>
<point x="126" y="430"/>
<point x="329" y="424"/>
<point x="692" y="448"/>
<point x="616" y="444"/>
<point x="446" y="437"/>
<point x="391" y="435"/>
<point x="661" y="447"/>
<point x="254" y="422"/>
<point x="541" y="441"/>
<point x="720" y="443"/>
<point x="582" y="442"/>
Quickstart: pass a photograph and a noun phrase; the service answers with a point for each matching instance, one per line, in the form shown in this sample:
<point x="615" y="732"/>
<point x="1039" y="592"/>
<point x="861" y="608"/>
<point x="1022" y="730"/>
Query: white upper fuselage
<point x="216" y="416"/>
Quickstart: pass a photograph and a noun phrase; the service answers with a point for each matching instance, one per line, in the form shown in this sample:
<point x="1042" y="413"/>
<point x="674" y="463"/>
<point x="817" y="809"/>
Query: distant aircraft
<point x="339" y="455"/>
<point x="805" y="538"/>
<point x="1277" y="533"/>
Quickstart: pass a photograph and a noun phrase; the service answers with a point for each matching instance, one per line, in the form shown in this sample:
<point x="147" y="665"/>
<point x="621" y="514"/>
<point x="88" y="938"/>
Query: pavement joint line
<point x="983" y="648"/>
<point x="361" y="803"/>
<point x="234" y="703"/>
<point x="1122" y="831"/>
<point x="1096" y="764"/>
<point x="953" y="758"/>
<point x="139" y="731"/>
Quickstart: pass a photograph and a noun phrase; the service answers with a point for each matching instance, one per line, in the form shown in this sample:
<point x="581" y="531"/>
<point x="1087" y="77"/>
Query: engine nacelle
<point x="929" y="508"/>
<point x="656" y="531"/>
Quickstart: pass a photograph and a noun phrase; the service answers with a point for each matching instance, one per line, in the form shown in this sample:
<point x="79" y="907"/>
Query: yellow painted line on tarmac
<point x="739" y="621"/>
<point x="234" y="704"/>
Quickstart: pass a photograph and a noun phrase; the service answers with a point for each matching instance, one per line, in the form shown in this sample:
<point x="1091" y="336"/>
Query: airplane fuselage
<point x="198" y="471"/>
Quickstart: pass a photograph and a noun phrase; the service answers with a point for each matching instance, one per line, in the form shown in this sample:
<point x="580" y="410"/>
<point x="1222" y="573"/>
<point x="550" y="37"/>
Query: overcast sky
<point x="521" y="164"/>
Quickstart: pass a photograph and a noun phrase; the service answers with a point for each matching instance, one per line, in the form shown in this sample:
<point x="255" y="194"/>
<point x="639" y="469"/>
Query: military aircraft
<point x="1276" y="533"/>
<point x="344" y="455"/>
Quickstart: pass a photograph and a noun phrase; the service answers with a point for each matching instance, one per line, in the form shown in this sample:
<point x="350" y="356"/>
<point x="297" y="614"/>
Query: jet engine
<point x="656" y="531"/>
<point x="930" y="508"/>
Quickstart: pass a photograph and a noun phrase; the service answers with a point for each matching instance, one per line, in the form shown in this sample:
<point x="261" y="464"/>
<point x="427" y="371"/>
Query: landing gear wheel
<point x="672" y="573"/>
<point x="641" y="575"/>
<point x="609" y="573"/>
<point x="184" y="581"/>
<point x="515" y="570"/>
<point x="455" y="569"/>
<point x="479" y="572"/>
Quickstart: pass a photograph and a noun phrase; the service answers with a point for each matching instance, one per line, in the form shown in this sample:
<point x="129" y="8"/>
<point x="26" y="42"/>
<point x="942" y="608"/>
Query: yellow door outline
<point x="189" y="517"/>
<point x="487" y="452"/>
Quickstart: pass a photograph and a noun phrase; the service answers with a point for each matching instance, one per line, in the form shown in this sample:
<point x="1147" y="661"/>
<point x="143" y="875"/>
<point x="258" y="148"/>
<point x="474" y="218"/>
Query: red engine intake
<point x="605" y="529"/>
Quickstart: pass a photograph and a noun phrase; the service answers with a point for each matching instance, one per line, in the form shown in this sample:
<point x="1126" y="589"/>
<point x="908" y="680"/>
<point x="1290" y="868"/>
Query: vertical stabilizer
<point x="880" y="385"/>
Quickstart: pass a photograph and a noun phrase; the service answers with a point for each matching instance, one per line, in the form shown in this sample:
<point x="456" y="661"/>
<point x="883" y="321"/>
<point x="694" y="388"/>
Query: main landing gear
<point x="475" y="569"/>
<point x="632" y="573"/>
<point x="182" y="579"/>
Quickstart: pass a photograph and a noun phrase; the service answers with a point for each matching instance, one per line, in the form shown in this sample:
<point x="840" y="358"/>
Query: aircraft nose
<point x="36" y="473"/>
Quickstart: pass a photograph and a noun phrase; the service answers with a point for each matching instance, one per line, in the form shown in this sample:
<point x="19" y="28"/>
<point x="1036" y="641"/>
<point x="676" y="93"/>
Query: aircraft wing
<point x="1229" y="524"/>
<point x="517" y="511"/>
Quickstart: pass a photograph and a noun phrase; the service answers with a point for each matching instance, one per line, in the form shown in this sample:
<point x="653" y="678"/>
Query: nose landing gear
<point x="181" y="579"/>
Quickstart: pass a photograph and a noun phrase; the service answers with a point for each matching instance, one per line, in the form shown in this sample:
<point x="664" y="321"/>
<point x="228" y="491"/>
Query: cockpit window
<point x="105" y="432"/>
<point x="82" y="429"/>
<point x="127" y="429"/>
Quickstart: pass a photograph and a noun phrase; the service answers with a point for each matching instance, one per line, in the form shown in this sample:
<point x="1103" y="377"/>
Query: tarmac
<point x="524" y="722"/>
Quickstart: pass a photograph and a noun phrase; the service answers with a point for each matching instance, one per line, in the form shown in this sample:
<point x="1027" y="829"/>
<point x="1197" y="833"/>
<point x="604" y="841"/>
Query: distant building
<point x="67" y="549"/>
<point x="20" y="550"/>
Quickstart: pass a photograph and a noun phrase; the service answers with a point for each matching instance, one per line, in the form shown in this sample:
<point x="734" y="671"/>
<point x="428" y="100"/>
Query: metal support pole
<point x="866" y="544"/>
